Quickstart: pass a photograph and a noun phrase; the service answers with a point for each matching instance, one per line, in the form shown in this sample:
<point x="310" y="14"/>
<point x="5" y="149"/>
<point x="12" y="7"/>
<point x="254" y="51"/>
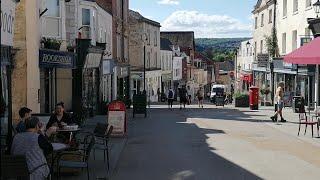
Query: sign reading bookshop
<point x="56" y="59"/>
<point x="7" y="22"/>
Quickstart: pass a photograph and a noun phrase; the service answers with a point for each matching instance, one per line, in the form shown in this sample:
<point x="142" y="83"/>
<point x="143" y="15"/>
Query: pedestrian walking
<point x="200" y="95"/>
<point x="183" y="97"/>
<point x="280" y="103"/>
<point x="170" y="98"/>
<point x="189" y="95"/>
<point x="159" y="95"/>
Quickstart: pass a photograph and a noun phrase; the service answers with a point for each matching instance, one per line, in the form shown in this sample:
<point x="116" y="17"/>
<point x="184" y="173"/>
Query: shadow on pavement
<point x="166" y="146"/>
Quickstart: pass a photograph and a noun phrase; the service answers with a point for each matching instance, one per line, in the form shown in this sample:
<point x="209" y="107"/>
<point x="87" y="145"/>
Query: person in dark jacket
<point x="60" y="118"/>
<point x="24" y="114"/>
<point x="183" y="97"/>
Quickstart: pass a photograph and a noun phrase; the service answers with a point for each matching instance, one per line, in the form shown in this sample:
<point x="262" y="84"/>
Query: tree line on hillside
<point x="218" y="49"/>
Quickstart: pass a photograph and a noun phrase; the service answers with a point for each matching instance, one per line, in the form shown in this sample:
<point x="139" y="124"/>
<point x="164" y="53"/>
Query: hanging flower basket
<point x="49" y="43"/>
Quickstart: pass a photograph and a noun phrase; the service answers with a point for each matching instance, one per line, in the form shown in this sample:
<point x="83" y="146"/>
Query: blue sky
<point x="208" y="18"/>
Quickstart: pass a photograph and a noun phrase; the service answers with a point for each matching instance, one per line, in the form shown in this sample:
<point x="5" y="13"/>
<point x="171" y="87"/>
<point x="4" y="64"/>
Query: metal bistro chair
<point x="306" y="120"/>
<point x="14" y="167"/>
<point x="89" y="142"/>
<point x="102" y="135"/>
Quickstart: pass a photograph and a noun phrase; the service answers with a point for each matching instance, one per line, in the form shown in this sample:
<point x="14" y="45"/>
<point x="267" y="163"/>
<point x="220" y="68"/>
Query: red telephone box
<point x="254" y="98"/>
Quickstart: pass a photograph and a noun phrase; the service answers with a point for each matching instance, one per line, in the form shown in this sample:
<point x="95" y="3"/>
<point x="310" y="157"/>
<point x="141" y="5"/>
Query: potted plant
<point x="70" y="48"/>
<point x="241" y="100"/>
<point x="49" y="43"/>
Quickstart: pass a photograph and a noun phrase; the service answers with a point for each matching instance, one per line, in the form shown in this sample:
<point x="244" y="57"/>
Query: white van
<point x="217" y="89"/>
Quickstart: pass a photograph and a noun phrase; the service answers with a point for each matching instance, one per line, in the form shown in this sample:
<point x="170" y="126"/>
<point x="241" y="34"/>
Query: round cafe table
<point x="71" y="131"/>
<point x="59" y="146"/>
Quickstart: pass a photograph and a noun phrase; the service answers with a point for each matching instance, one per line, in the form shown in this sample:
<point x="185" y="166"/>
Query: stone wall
<point x="19" y="73"/>
<point x="71" y="23"/>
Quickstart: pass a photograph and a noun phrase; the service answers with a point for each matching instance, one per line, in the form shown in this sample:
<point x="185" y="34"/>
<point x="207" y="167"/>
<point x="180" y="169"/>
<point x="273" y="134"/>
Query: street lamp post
<point x="144" y="38"/>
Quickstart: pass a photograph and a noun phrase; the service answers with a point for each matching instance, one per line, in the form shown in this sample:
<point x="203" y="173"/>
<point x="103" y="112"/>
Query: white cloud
<point x="205" y="25"/>
<point x="169" y="2"/>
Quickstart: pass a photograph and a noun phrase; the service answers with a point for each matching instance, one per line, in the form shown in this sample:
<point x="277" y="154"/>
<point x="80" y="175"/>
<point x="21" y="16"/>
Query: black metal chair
<point x="84" y="154"/>
<point x="14" y="167"/>
<point x="102" y="135"/>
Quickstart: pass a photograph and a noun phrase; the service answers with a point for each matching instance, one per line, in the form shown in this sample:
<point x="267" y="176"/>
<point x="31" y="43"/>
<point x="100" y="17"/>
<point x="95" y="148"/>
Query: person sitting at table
<point x="35" y="147"/>
<point x="60" y="117"/>
<point x="24" y="114"/>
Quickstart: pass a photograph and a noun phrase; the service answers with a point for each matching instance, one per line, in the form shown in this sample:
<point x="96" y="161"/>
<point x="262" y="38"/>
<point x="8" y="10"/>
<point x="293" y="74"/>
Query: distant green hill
<point x="218" y="49"/>
<point x="218" y="43"/>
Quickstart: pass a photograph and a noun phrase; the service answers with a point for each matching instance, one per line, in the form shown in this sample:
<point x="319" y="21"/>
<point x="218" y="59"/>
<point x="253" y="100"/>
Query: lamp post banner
<point x="7" y="22"/>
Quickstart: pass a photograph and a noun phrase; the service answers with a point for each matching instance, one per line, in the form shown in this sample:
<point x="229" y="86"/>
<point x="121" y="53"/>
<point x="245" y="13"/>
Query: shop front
<point x="106" y="79"/>
<point x="6" y="65"/>
<point x="136" y="78"/>
<point x="123" y="83"/>
<point x="91" y="81"/>
<point x="55" y="79"/>
<point x="166" y="82"/>
<point x="246" y="80"/>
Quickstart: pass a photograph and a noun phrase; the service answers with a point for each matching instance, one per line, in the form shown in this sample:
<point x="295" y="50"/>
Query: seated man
<point x="34" y="147"/>
<point x="24" y="114"/>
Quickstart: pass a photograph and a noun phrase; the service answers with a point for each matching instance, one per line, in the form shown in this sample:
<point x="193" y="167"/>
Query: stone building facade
<point x="120" y="41"/>
<point x="141" y="27"/>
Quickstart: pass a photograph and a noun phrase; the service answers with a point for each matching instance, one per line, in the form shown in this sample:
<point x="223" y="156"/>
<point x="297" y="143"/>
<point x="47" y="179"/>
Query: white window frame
<point x="294" y="39"/>
<point x="295" y="7"/>
<point x="285" y="8"/>
<point x="284" y="43"/>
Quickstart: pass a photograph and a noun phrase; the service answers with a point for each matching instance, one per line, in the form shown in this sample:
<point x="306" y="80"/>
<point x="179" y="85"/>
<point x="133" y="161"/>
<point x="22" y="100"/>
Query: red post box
<point x="254" y="98"/>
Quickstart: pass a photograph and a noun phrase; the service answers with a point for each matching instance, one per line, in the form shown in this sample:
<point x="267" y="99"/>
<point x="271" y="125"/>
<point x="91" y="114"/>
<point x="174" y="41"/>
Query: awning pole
<point x="316" y="88"/>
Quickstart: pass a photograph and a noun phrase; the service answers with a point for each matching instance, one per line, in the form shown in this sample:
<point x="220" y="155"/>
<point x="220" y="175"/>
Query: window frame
<point x="270" y="16"/>
<point x="284" y="8"/>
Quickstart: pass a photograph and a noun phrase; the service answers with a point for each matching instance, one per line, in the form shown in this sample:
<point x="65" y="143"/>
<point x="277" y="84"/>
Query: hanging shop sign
<point x="7" y="22"/>
<point x="56" y="59"/>
<point x="107" y="66"/>
<point x="93" y="60"/>
<point x="262" y="60"/>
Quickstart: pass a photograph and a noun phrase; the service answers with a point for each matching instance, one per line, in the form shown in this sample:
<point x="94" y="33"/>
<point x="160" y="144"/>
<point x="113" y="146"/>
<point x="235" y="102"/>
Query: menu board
<point x="117" y="120"/>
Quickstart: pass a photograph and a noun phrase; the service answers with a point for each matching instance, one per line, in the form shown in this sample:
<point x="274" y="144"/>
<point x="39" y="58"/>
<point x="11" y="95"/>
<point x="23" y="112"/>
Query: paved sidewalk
<point x="290" y="127"/>
<point x="98" y="168"/>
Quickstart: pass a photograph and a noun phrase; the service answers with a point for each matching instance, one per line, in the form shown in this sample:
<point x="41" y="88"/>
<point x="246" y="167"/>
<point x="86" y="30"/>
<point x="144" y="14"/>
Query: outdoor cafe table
<point x="71" y="131"/>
